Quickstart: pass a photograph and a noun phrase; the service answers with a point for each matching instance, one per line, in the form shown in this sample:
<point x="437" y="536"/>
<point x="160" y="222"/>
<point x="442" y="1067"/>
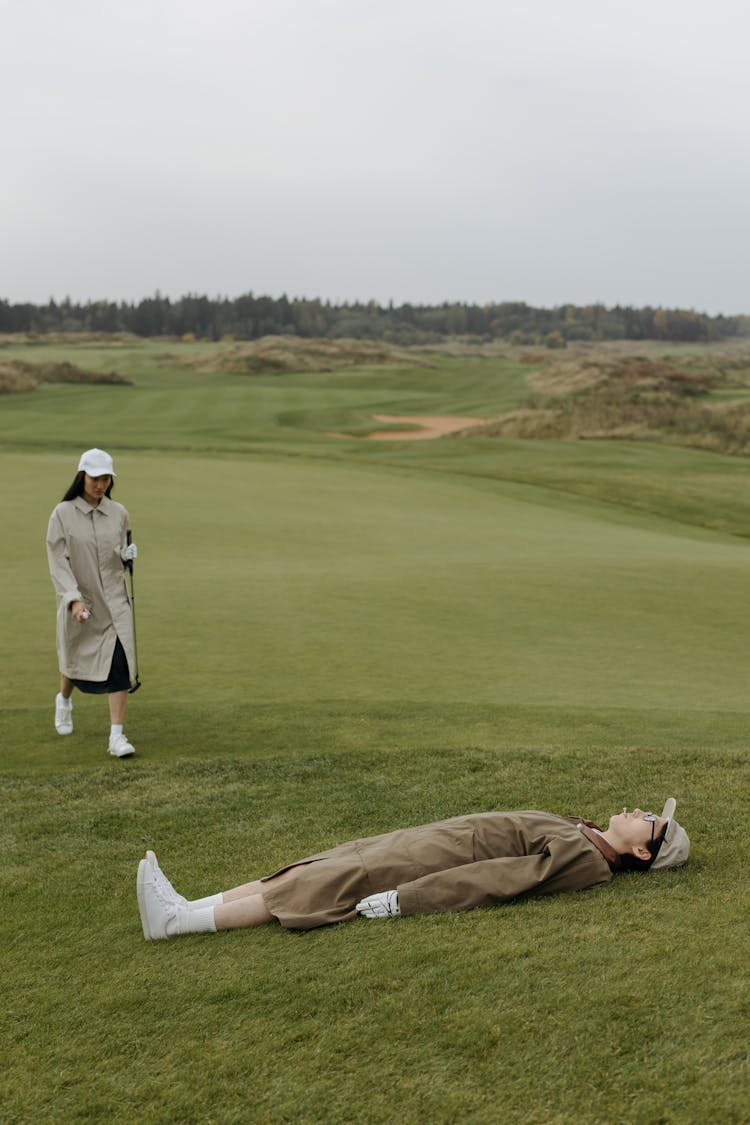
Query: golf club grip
<point x="129" y="540"/>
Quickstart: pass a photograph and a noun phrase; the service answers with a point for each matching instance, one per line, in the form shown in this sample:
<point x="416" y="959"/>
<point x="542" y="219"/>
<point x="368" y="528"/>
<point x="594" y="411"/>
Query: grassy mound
<point x="19" y="375"/>
<point x="701" y="401"/>
<point x="285" y="354"/>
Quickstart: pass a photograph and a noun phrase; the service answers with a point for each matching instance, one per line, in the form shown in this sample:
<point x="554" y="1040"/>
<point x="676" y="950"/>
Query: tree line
<point x="249" y="317"/>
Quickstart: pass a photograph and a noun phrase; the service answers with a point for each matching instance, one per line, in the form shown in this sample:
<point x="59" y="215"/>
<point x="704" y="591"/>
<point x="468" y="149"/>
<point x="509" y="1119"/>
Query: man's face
<point x="636" y="828"/>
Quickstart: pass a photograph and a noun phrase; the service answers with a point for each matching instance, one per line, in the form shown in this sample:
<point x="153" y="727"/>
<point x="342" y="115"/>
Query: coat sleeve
<point x="60" y="571"/>
<point x="125" y="529"/>
<point x="563" y="865"/>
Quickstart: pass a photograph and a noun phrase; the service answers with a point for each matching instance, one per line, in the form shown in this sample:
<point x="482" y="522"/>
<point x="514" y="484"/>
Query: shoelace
<point x="167" y="889"/>
<point x="164" y="899"/>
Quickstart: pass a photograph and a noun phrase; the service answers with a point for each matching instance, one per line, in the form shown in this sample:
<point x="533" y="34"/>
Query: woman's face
<point x="94" y="488"/>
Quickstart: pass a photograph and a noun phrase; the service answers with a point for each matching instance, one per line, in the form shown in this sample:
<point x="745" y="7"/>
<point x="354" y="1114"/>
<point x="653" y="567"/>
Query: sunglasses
<point x="651" y="818"/>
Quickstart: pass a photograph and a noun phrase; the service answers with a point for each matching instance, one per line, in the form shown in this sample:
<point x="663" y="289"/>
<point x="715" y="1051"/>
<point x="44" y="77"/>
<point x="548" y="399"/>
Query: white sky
<point x="413" y="150"/>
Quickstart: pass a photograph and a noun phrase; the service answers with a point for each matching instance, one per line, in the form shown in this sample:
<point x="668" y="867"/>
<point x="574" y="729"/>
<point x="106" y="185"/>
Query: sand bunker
<point x="429" y="427"/>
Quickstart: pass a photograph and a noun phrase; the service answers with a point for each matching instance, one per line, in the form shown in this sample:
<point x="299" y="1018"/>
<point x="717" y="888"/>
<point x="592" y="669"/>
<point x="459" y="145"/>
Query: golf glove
<point x="127" y="554"/>
<point x="383" y="905"/>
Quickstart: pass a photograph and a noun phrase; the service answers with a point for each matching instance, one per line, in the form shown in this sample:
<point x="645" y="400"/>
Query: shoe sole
<point x="68" y="730"/>
<point x="127" y="754"/>
<point x="139" y="888"/>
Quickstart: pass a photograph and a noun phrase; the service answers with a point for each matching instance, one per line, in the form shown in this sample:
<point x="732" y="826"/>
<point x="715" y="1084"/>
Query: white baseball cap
<point x="96" y="463"/>
<point x="676" y="844"/>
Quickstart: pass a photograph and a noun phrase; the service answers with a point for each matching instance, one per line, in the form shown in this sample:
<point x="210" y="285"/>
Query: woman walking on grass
<point x="87" y="548"/>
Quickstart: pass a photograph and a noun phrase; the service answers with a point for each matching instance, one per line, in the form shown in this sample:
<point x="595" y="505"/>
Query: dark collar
<point x="603" y="845"/>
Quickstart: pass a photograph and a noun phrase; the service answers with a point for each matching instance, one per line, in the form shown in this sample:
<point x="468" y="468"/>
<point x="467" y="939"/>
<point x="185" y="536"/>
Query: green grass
<point x="341" y="637"/>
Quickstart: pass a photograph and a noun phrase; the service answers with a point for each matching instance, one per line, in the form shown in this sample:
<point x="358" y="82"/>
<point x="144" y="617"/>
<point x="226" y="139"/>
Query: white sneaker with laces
<point x="159" y="916"/>
<point x="164" y="884"/>
<point x="119" y="746"/>
<point x="63" y="714"/>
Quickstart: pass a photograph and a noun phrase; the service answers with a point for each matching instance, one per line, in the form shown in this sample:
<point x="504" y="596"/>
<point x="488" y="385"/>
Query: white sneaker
<point x="119" y="746"/>
<point x="163" y="882"/>
<point x="63" y="714"/>
<point x="158" y="915"/>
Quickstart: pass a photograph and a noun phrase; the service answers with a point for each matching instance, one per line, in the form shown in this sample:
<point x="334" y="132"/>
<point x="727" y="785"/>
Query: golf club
<point x="129" y="566"/>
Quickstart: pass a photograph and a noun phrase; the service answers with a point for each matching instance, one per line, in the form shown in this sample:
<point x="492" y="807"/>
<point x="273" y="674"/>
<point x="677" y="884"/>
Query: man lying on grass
<point x="456" y="864"/>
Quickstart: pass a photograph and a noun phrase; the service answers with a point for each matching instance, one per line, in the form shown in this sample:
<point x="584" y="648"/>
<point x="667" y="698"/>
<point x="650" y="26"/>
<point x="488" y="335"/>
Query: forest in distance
<point x="250" y="317"/>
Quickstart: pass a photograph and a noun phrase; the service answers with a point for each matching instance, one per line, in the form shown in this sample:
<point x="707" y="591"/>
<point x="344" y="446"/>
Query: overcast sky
<point x="547" y="151"/>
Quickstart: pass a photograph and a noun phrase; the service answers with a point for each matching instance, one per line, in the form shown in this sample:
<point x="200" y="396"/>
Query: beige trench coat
<point x="456" y="864"/>
<point x="83" y="548"/>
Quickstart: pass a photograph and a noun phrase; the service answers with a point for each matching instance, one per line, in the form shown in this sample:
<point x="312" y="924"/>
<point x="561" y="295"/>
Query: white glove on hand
<point x="127" y="554"/>
<point x="383" y="905"/>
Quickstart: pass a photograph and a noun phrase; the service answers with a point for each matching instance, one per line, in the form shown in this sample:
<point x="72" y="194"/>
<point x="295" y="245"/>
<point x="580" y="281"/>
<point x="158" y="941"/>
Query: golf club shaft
<point x="129" y="566"/>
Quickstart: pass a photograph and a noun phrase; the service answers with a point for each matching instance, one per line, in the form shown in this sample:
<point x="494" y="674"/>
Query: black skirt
<point x="118" y="679"/>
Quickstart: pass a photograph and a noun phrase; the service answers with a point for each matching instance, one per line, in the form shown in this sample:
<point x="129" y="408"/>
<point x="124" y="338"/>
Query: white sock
<point x="209" y="900"/>
<point x="63" y="701"/>
<point x="196" y="921"/>
<point x="116" y="728"/>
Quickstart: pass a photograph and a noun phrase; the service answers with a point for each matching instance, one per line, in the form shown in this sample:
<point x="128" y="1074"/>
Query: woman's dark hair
<point x="630" y="862"/>
<point x="76" y="488"/>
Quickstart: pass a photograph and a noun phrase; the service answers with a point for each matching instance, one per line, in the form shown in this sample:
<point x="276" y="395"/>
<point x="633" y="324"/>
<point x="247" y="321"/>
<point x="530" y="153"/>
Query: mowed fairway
<point x="336" y="640"/>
